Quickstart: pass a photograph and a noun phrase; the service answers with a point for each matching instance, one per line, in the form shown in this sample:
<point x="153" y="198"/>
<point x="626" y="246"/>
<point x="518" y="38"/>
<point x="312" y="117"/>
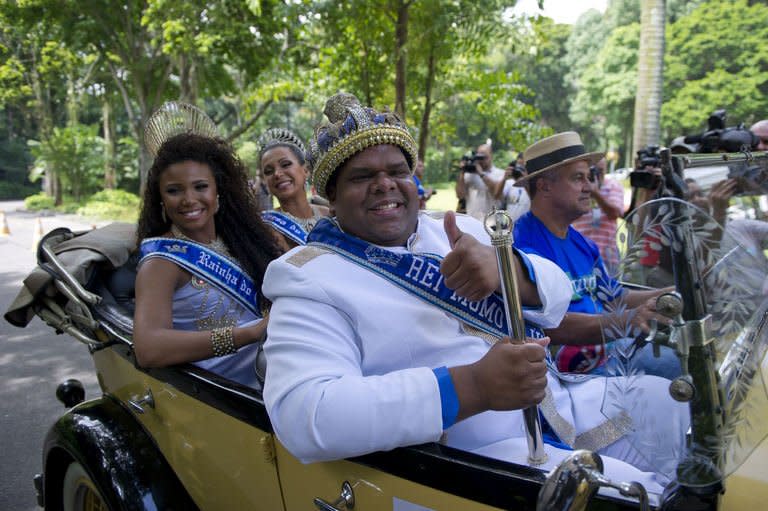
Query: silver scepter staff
<point x="499" y="225"/>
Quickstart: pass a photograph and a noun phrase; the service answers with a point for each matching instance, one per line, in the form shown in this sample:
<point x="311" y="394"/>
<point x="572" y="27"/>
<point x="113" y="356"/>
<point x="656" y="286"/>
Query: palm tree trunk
<point x="650" y="74"/>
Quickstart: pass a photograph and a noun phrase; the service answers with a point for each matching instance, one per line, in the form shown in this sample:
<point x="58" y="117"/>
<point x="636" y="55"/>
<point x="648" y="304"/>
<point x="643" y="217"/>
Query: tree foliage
<point x="707" y="67"/>
<point x="77" y="155"/>
<point x="85" y="77"/>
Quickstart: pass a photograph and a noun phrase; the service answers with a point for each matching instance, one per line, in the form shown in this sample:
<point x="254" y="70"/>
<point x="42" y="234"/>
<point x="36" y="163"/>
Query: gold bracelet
<point x="223" y="341"/>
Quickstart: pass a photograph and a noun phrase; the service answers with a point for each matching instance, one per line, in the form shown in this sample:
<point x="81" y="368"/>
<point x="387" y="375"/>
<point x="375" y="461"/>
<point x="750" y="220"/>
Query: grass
<point x="444" y="199"/>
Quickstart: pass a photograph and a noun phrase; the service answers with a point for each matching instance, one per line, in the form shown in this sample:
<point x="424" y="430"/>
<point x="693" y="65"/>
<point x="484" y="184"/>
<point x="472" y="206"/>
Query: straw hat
<point x="556" y="151"/>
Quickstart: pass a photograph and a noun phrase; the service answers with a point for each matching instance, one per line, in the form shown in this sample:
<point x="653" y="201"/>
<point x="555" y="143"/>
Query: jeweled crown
<point x="350" y="129"/>
<point x="280" y="136"/>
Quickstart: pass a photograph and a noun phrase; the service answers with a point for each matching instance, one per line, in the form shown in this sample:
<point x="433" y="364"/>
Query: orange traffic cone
<point x="4" y="230"/>
<point x="37" y="234"/>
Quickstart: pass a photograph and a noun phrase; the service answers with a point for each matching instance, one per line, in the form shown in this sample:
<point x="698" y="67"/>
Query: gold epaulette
<point x="305" y="255"/>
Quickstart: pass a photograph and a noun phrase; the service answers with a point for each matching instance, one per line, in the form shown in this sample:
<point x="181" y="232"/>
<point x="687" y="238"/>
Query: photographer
<point x="646" y="182"/>
<point x="599" y="224"/>
<point x="760" y="130"/>
<point x="511" y="191"/>
<point x="718" y="200"/>
<point x="474" y="184"/>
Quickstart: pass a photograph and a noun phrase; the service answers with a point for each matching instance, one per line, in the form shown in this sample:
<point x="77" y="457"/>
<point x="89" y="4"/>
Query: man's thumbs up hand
<point x="451" y="229"/>
<point x="470" y="267"/>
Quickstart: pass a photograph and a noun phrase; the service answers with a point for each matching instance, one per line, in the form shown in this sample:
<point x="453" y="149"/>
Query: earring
<point x="217" y="204"/>
<point x="162" y="213"/>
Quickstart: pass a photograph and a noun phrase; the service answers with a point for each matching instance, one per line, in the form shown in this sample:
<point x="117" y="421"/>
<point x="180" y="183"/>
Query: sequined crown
<point x="175" y="118"/>
<point x="280" y="136"/>
<point x="350" y="129"/>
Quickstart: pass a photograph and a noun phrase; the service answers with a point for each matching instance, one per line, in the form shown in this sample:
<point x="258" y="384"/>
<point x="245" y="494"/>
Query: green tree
<point x="452" y="37"/>
<point x="543" y="69"/>
<point x="76" y="153"/>
<point x="155" y="50"/>
<point x="714" y="61"/>
<point x="604" y="100"/>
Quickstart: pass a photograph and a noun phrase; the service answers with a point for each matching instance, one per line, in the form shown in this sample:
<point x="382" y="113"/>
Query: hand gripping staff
<point x="499" y="227"/>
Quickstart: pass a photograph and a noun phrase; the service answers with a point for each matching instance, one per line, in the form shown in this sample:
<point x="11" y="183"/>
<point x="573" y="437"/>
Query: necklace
<point x="217" y="245"/>
<point x="306" y="223"/>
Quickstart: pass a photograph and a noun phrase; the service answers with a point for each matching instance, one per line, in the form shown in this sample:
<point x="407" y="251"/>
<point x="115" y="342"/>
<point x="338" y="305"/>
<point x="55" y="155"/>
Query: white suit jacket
<point x="350" y="358"/>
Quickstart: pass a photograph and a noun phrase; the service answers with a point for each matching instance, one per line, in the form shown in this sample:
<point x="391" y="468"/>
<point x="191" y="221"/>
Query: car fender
<point x="120" y="457"/>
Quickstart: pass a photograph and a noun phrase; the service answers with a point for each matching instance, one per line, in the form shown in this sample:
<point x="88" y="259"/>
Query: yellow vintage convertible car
<point x="184" y="438"/>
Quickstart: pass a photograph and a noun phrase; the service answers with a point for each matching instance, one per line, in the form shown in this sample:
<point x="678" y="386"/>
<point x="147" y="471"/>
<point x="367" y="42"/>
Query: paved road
<point x="33" y="361"/>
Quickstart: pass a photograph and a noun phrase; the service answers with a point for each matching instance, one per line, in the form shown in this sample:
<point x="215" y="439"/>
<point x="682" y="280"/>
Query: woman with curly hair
<point x="283" y="164"/>
<point x="204" y="251"/>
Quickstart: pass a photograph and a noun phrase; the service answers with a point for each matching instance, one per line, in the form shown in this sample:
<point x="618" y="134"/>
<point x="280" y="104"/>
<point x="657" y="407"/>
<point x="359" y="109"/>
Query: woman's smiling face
<point x="284" y="174"/>
<point x="189" y="194"/>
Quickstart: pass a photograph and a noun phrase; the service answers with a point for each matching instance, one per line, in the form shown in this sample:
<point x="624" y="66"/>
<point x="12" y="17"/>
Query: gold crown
<point x="351" y="129"/>
<point x="174" y="118"/>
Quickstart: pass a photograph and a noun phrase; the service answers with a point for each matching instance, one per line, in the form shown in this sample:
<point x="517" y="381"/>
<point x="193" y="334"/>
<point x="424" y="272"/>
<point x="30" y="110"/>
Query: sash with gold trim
<point x="286" y="226"/>
<point x="201" y="261"/>
<point x="418" y="274"/>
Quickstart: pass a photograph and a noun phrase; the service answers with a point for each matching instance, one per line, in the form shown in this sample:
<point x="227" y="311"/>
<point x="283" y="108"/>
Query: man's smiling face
<point x="374" y="196"/>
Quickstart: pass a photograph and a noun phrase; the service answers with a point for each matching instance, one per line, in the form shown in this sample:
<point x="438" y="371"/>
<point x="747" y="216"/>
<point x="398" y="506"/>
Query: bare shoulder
<point x="157" y="272"/>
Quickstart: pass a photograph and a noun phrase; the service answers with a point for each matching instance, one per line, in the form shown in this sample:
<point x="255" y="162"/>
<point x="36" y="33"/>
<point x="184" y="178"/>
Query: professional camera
<point x="718" y="138"/>
<point x="467" y="164"/>
<point x="751" y="179"/>
<point x="593" y="173"/>
<point x="642" y="178"/>
<point x="518" y="171"/>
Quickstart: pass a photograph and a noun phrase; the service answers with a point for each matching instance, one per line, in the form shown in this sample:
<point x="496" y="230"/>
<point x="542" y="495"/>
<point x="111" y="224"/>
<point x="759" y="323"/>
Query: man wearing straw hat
<point x="560" y="191"/>
<point x="382" y="329"/>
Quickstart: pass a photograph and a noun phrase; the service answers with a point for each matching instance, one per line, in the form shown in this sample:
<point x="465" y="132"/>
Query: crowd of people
<point x="375" y="309"/>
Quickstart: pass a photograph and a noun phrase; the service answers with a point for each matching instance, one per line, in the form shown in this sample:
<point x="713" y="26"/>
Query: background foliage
<point x="76" y="85"/>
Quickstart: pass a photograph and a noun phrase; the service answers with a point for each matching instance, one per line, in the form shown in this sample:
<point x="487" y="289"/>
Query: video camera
<point x="718" y="138"/>
<point x="640" y="177"/>
<point x="593" y="173"/>
<point x="751" y="179"/>
<point x="518" y="171"/>
<point x="467" y="163"/>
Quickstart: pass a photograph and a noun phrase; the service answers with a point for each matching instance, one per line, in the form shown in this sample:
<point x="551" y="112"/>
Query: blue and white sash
<point x="418" y="274"/>
<point x="286" y="226"/>
<point x="214" y="268"/>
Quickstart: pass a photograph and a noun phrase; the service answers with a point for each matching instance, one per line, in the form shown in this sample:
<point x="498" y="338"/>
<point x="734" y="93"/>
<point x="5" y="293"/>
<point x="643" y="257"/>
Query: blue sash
<point x="210" y="266"/>
<point x="418" y="274"/>
<point x="286" y="226"/>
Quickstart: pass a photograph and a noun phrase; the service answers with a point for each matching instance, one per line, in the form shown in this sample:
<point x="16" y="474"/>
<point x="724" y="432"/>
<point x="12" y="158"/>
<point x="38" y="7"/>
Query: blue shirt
<point x="577" y="256"/>
<point x="419" y="186"/>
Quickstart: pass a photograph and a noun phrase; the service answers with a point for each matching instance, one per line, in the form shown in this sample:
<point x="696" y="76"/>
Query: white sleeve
<point x="553" y="285"/>
<point x="555" y="291"/>
<point x="508" y="184"/>
<point x="320" y="404"/>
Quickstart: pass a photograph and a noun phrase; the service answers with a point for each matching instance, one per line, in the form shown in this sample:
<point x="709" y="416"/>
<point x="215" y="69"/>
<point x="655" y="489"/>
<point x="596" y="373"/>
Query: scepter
<point x="499" y="227"/>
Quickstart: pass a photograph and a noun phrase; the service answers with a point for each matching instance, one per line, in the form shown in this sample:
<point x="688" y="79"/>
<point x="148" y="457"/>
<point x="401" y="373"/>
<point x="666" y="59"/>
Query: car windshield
<point x="718" y="311"/>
